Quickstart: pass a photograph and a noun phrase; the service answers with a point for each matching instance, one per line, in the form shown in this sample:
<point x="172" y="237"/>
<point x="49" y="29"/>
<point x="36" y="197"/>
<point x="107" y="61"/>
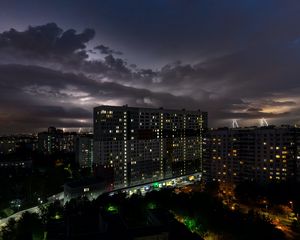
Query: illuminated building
<point x="10" y="144"/>
<point x="263" y="154"/>
<point x="141" y="145"/>
<point x="16" y="164"/>
<point x="84" y="150"/>
<point x="56" y="140"/>
<point x="15" y="153"/>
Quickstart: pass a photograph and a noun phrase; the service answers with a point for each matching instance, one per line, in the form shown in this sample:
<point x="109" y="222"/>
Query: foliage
<point x="28" y="227"/>
<point x="201" y="212"/>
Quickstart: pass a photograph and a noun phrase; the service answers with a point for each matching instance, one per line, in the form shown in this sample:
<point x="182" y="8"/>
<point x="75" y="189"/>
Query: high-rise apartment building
<point x="140" y="145"/>
<point x="260" y="154"/>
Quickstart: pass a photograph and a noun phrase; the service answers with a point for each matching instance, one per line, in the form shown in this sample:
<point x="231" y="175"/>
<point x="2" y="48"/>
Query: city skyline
<point x="235" y="60"/>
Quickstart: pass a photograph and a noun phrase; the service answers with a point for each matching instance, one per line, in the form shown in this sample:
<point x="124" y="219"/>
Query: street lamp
<point x="291" y="203"/>
<point x="266" y="204"/>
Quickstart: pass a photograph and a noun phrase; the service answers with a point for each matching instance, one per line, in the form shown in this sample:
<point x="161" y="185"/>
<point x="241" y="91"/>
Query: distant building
<point x="68" y="142"/>
<point x="259" y="154"/>
<point x="84" y="150"/>
<point x="16" y="153"/>
<point x="15" y="164"/>
<point x="7" y="145"/>
<point x="140" y="145"/>
<point x="56" y="140"/>
<point x="10" y="144"/>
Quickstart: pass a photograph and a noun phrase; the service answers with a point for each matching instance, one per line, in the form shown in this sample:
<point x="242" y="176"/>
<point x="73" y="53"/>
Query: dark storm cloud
<point x="106" y="50"/>
<point x="235" y="59"/>
<point x="214" y="84"/>
<point x="46" y="41"/>
<point x="49" y="46"/>
<point x="44" y="96"/>
<point x="117" y="64"/>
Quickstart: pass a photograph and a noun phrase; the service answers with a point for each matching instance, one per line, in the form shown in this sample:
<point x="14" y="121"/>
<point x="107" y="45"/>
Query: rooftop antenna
<point x="235" y="123"/>
<point x="263" y="122"/>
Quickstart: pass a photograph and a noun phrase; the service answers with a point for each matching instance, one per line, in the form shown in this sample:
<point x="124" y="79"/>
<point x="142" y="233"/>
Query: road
<point x="35" y="209"/>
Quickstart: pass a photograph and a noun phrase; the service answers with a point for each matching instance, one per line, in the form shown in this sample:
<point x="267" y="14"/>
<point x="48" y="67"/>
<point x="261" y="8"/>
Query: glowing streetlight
<point x="291" y="203"/>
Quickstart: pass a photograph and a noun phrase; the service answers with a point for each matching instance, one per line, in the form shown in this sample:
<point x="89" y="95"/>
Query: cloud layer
<point x="233" y="62"/>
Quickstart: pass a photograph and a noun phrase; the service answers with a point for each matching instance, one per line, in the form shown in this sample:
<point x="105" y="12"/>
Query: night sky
<point x="234" y="59"/>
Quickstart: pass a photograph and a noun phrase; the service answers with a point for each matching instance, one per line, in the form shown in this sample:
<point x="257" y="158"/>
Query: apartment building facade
<point x="140" y="145"/>
<point x="260" y="154"/>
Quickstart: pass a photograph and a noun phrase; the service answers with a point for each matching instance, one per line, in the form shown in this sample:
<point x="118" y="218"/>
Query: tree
<point x="29" y="227"/>
<point x="9" y="231"/>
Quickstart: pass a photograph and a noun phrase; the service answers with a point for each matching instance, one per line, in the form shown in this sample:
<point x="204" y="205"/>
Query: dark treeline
<point x="285" y="193"/>
<point x="200" y="212"/>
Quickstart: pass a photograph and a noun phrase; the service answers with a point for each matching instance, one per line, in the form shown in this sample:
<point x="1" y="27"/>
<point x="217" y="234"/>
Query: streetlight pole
<point x="292" y="206"/>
